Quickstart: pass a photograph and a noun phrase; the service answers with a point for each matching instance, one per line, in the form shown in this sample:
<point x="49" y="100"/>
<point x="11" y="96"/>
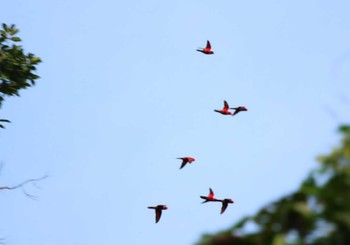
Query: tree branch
<point x="21" y="185"/>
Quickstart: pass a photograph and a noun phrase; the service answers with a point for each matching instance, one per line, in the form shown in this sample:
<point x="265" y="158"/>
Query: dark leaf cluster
<point x="2" y="121"/>
<point x="16" y="67"/>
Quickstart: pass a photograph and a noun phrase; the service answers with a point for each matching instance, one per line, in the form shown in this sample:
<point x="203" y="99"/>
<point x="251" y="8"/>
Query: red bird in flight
<point x="238" y="109"/>
<point x="207" y="49"/>
<point x="210" y="197"/>
<point x="158" y="210"/>
<point x="225" y="202"/>
<point x="225" y="110"/>
<point x="186" y="160"/>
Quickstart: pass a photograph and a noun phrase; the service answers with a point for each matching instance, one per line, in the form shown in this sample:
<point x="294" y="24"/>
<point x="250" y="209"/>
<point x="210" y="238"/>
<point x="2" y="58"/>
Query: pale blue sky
<point x="123" y="93"/>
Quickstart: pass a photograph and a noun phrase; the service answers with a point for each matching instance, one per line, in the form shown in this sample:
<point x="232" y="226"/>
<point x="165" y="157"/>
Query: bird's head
<point x="228" y="200"/>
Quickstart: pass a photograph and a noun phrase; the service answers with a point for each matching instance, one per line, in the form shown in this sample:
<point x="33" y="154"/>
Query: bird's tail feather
<point x="205" y="199"/>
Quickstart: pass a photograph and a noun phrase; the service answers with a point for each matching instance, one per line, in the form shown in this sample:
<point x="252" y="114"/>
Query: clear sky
<point x="123" y="93"/>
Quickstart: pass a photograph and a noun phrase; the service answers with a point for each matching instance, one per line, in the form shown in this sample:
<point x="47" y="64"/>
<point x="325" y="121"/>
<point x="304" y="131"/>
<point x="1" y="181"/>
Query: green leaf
<point x="4" y="26"/>
<point x="16" y="39"/>
<point x="344" y="129"/>
<point x="278" y="240"/>
<point x="14" y="31"/>
<point x="35" y="60"/>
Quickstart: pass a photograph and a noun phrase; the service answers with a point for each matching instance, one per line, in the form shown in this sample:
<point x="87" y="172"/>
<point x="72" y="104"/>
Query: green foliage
<point x="16" y="67"/>
<point x="318" y="213"/>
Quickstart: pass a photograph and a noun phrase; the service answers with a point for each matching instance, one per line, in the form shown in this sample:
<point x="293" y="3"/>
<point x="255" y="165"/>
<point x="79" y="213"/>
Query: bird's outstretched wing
<point x="236" y="111"/>
<point x="208" y="45"/>
<point x="183" y="164"/>
<point x="224" y="206"/>
<point x="226" y="107"/>
<point x="211" y="193"/>
<point x="158" y="214"/>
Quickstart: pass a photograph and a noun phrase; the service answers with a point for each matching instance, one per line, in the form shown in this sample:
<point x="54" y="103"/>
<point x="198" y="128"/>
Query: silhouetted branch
<point x="21" y="185"/>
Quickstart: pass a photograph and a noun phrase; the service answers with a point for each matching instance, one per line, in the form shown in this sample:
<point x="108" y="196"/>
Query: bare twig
<point x="21" y="185"/>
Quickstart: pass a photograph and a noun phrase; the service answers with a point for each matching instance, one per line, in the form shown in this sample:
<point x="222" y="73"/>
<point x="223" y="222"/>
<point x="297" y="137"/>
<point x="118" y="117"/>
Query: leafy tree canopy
<point x="318" y="213"/>
<point x="16" y="67"/>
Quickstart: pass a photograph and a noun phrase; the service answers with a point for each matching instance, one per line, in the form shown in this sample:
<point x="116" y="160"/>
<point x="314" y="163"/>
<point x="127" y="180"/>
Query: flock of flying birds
<point x="210" y="198"/>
